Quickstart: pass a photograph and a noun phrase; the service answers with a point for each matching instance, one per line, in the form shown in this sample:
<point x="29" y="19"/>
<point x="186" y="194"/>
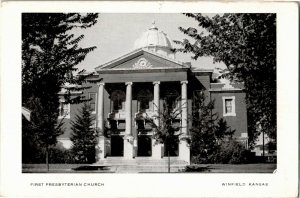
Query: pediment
<point x="141" y="60"/>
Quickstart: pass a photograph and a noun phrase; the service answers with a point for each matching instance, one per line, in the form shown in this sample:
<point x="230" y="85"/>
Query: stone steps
<point x="145" y="169"/>
<point x="139" y="161"/>
<point x="141" y="165"/>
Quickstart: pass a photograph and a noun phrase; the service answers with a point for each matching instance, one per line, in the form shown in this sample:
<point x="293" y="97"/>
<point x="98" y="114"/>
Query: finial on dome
<point x="153" y="25"/>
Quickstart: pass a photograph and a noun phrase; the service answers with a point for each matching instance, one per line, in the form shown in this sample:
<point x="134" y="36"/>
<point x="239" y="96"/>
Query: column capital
<point x="184" y="82"/>
<point x="128" y="83"/>
<point x="156" y="82"/>
<point x="101" y="83"/>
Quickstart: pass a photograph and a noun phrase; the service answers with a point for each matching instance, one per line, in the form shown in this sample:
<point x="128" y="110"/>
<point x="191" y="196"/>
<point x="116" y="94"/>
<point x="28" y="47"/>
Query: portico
<point x="127" y="121"/>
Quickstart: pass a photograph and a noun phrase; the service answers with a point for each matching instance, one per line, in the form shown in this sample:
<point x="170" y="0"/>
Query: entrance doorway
<point x="174" y="149"/>
<point x="117" y="145"/>
<point x="144" y="146"/>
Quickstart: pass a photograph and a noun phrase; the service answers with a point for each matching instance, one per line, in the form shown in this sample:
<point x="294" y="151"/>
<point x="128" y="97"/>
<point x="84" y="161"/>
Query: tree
<point x="30" y="151"/>
<point x="207" y="132"/>
<point x="166" y="132"/>
<point x="40" y="133"/>
<point x="84" y="136"/>
<point x="50" y="53"/>
<point x="246" y="43"/>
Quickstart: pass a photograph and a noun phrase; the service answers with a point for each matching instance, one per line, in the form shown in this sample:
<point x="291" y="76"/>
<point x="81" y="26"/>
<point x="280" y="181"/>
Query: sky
<point x="114" y="35"/>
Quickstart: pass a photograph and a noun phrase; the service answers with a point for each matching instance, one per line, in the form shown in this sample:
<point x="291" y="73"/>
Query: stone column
<point x="101" y="151"/>
<point x="100" y="112"/>
<point x="156" y="148"/>
<point x="184" y="151"/>
<point x="128" y="138"/>
<point x="156" y="101"/>
<point x="184" y="107"/>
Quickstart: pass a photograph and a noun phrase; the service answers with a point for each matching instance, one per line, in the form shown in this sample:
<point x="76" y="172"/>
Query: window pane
<point x="66" y="106"/>
<point x="228" y="110"/>
<point x="93" y="97"/>
<point x="66" y="109"/>
<point x="92" y="102"/>
<point x="61" y="109"/>
<point x="66" y="112"/>
<point x="228" y="102"/>
<point x="93" y="107"/>
<point x="228" y="105"/>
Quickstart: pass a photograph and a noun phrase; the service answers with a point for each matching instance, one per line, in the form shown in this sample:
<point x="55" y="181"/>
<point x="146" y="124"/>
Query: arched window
<point x="118" y="100"/>
<point x="145" y="101"/>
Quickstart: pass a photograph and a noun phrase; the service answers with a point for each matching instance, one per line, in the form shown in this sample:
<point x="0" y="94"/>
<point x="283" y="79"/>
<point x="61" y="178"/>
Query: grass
<point x="232" y="168"/>
<point x="63" y="168"/>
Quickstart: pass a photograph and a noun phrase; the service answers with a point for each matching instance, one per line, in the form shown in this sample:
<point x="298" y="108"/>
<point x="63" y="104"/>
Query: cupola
<point x="156" y="41"/>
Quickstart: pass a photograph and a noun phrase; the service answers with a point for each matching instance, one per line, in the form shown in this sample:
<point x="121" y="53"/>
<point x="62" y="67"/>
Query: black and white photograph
<point x="113" y="97"/>
<point x="142" y="93"/>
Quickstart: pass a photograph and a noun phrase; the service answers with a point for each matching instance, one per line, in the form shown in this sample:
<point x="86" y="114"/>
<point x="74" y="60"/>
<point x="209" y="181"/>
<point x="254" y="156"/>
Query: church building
<point x="136" y="85"/>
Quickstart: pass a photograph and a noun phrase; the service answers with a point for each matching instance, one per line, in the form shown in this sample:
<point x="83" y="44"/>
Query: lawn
<point x="234" y="168"/>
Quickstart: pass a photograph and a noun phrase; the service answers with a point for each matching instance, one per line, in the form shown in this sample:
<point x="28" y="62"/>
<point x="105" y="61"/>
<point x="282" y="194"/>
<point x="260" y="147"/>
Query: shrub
<point x="195" y="168"/>
<point x="231" y="152"/>
<point x="228" y="152"/>
<point x="60" y="155"/>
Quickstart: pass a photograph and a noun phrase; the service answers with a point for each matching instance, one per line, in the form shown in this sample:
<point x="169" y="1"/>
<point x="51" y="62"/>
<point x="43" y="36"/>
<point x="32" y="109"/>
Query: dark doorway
<point x="144" y="146"/>
<point x="117" y="145"/>
<point x="174" y="149"/>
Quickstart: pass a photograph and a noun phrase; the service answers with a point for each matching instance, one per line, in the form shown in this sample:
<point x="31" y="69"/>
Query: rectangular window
<point x="64" y="110"/>
<point x="229" y="106"/>
<point x="92" y="102"/>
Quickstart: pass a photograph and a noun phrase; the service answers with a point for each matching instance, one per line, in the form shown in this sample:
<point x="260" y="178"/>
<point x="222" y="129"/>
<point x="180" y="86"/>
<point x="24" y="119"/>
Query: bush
<point x="232" y="152"/>
<point x="228" y="152"/>
<point x="195" y="168"/>
<point x="60" y="155"/>
<point x="198" y="159"/>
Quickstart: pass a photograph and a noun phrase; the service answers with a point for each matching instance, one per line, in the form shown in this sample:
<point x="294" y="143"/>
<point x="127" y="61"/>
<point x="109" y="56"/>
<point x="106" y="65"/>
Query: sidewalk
<point x="204" y="168"/>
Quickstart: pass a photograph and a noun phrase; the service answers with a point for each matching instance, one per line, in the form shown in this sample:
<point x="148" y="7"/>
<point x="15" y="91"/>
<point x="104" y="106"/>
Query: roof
<point x="154" y="38"/>
<point x="116" y="63"/>
<point x="217" y="87"/>
<point x="201" y="70"/>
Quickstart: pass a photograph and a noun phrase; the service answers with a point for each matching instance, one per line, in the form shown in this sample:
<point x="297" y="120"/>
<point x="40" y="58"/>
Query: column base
<point x="157" y="150"/>
<point x="100" y="149"/>
<point x="184" y="151"/>
<point x="128" y="149"/>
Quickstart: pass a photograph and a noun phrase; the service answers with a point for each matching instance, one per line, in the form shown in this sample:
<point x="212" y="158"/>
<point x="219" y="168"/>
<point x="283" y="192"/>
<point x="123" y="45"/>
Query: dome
<point x="155" y="41"/>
